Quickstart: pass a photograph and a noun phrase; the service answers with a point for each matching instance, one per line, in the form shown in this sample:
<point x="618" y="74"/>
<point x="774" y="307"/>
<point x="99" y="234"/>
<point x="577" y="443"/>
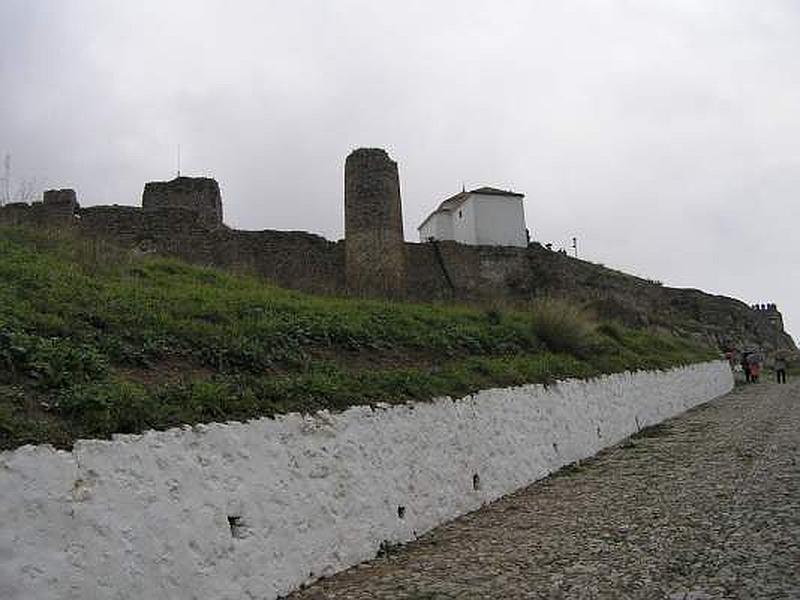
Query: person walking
<point x="754" y="364"/>
<point x="746" y="366"/>
<point x="780" y="368"/>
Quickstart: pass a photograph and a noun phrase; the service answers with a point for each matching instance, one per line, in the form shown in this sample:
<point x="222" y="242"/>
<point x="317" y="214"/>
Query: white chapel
<point x="482" y="217"/>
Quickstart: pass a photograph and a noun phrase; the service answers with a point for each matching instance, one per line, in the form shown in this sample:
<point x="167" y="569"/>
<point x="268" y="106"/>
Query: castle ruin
<point x="184" y="218"/>
<point x="375" y="261"/>
<point x="199" y="195"/>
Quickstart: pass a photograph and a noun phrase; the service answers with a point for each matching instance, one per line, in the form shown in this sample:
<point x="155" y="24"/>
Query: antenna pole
<point x="6" y="179"/>
<point x="179" y="160"/>
<point x="575" y="246"/>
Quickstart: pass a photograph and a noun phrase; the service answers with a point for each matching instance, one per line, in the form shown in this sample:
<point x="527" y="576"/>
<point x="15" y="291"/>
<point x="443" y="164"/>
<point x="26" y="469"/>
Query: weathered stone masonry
<point x="375" y="259"/>
<point x="198" y="194"/>
<point x="58" y="208"/>
<point x="183" y="218"/>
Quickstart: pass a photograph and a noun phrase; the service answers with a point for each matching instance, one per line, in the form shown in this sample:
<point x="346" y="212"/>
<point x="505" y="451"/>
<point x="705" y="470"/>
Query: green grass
<point x="95" y="340"/>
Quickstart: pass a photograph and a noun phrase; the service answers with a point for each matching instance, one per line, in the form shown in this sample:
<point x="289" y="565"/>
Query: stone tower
<point x="59" y="206"/>
<point x="773" y="314"/>
<point x="198" y="194"/>
<point x="65" y="197"/>
<point x="375" y="262"/>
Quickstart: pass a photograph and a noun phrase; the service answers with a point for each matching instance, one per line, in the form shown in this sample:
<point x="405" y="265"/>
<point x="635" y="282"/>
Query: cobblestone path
<point x="704" y="506"/>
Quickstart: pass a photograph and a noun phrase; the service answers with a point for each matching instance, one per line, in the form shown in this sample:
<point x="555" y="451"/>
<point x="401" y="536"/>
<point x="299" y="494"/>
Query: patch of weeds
<point x="571" y="469"/>
<point x="653" y="431"/>
<point x="388" y="548"/>
<point x="105" y="408"/>
<point x="563" y="327"/>
<point x="613" y="330"/>
<point x="49" y="362"/>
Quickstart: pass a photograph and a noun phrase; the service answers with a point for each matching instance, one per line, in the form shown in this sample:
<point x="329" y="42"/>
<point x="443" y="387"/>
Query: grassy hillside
<point x="95" y="340"/>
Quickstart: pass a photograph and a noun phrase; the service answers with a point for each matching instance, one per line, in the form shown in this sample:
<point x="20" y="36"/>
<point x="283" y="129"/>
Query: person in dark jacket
<point x="746" y="366"/>
<point x="780" y="368"/>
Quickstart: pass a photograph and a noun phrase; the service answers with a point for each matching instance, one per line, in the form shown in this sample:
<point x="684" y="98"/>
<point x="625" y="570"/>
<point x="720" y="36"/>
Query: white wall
<point x="464" y="222"/>
<point x="428" y="229"/>
<point x="500" y="221"/>
<point x="146" y="516"/>
<point x="482" y="219"/>
<point x="439" y="226"/>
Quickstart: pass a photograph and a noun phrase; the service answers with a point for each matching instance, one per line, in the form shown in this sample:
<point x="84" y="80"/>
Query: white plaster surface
<point x="439" y="226"/>
<point x="481" y="219"/>
<point x="463" y="219"/>
<point x="146" y="516"/>
<point x="499" y="221"/>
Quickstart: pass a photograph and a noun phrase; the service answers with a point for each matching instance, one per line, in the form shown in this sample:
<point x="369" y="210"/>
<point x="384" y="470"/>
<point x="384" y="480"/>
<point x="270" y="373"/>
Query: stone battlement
<point x="198" y="194"/>
<point x="765" y="307"/>
<point x="57" y="208"/>
<point x="183" y="218"/>
<point x="65" y="197"/>
<point x="771" y="312"/>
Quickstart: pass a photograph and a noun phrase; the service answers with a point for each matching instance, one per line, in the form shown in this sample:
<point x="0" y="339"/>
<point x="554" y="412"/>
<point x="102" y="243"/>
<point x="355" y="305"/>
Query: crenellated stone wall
<point x="291" y="259"/>
<point x="58" y="208"/>
<point x="198" y="194"/>
<point x="130" y="224"/>
<point x="65" y="197"/>
<point x="183" y="218"/>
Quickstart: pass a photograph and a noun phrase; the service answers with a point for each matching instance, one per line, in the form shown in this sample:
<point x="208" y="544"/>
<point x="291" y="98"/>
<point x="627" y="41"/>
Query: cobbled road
<point x="705" y="506"/>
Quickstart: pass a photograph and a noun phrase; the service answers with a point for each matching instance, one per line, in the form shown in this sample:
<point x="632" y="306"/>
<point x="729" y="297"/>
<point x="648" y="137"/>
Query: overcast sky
<point x="664" y="134"/>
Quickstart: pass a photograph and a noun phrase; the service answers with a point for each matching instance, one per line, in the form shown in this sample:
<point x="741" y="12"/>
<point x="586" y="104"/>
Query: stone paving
<point x="705" y="506"/>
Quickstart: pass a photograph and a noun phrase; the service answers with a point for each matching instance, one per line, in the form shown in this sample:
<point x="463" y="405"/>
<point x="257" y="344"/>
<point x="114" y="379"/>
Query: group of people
<point x="751" y="366"/>
<point x="751" y="363"/>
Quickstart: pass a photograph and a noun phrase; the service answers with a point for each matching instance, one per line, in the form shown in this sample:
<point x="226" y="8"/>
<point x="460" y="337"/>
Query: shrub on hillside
<point x="562" y="327"/>
<point x="612" y="329"/>
<point x="105" y="408"/>
<point x="51" y="362"/>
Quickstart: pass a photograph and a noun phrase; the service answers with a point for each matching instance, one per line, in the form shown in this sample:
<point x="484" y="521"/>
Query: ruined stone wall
<point x="132" y="224"/>
<point x="59" y="206"/>
<point x="439" y="270"/>
<point x="64" y="197"/>
<point x="54" y="212"/>
<point x="491" y="275"/>
<point x="199" y="194"/>
<point x="442" y="271"/>
<point x="770" y="311"/>
<point x="15" y="213"/>
<point x="291" y="259"/>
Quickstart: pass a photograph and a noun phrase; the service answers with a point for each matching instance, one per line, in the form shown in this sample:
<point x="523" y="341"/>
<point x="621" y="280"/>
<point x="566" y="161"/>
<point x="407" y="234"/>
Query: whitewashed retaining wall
<point x="252" y="510"/>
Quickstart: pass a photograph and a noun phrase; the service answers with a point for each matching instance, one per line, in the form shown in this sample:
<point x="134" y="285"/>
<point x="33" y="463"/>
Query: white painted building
<point x="482" y="217"/>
